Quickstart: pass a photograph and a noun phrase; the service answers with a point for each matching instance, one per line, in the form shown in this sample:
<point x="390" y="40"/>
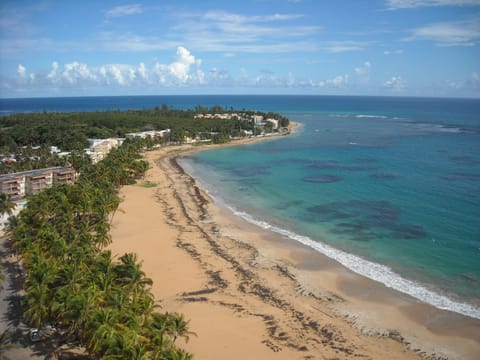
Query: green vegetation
<point x="28" y="136"/>
<point x="148" y="184"/>
<point x="74" y="284"/>
<point x="71" y="281"/>
<point x="6" y="205"/>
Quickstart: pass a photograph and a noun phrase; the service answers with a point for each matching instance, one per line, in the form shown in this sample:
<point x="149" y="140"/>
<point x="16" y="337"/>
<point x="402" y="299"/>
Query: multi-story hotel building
<point x="18" y="185"/>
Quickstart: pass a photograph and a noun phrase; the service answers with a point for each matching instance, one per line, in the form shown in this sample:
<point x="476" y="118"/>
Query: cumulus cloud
<point x="53" y="72"/>
<point x="339" y="81"/>
<point x="364" y="70"/>
<point x="124" y="10"/>
<point x="21" y="71"/>
<point x="185" y="69"/>
<point x="180" y="68"/>
<point x="396" y="83"/>
<point x="76" y="72"/>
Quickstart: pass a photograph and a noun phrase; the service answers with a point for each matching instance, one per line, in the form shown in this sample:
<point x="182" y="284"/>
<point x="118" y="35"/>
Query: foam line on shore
<point x="371" y="270"/>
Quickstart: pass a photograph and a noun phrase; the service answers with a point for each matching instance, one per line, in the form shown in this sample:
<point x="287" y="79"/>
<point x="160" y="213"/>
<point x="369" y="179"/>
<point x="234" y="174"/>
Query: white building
<point x="257" y="119"/>
<point x="150" y="133"/>
<point x="274" y="123"/>
<point x="100" y="148"/>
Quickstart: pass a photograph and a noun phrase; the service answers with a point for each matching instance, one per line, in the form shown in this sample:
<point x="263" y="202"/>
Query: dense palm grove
<point x="74" y="284"/>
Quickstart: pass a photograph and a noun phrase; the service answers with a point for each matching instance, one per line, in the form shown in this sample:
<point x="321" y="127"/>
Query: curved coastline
<point x="380" y="273"/>
<point x="233" y="271"/>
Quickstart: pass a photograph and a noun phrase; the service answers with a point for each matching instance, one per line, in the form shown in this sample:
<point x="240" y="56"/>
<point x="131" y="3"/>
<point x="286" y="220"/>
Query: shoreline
<point x="250" y="293"/>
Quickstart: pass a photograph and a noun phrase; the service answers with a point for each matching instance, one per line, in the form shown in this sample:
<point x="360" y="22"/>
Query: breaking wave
<point x="374" y="271"/>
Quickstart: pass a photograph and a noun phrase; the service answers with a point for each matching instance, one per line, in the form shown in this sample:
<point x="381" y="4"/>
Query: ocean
<point x="387" y="186"/>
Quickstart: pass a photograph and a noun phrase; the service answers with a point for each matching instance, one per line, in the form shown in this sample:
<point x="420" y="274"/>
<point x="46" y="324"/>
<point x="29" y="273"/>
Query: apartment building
<point x="18" y="185"/>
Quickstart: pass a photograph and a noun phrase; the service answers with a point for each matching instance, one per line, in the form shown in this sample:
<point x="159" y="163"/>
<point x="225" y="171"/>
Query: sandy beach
<point x="251" y="294"/>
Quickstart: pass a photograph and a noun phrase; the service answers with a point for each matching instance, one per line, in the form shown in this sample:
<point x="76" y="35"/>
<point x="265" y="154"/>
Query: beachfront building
<point x="100" y="148"/>
<point x="274" y="123"/>
<point x="12" y="185"/>
<point x="18" y="185"/>
<point x="150" y="133"/>
<point x="257" y="119"/>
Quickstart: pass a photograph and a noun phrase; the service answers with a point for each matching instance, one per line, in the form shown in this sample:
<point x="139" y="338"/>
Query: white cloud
<point x="339" y="81"/>
<point x="455" y="33"/>
<point x="76" y="72"/>
<point x="180" y="68"/>
<point x="410" y="4"/>
<point x="53" y="72"/>
<point x="223" y="16"/>
<point x="344" y="46"/>
<point x="142" y="71"/>
<point x="393" y="52"/>
<point x="228" y="32"/>
<point x="396" y="83"/>
<point x="21" y="71"/>
<point x="124" y="10"/>
<point x="185" y="69"/>
<point x="130" y="42"/>
<point x="364" y="70"/>
<point x="118" y="74"/>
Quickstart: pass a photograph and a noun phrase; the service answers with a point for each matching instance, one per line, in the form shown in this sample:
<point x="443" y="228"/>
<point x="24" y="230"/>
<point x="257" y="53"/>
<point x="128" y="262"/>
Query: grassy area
<point x="148" y="184"/>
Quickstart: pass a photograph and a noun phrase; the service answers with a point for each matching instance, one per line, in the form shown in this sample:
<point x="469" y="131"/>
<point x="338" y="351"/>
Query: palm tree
<point x="37" y="303"/>
<point x="178" y="326"/>
<point x="5" y="344"/>
<point x="176" y="354"/>
<point x="130" y="275"/>
<point x="6" y="205"/>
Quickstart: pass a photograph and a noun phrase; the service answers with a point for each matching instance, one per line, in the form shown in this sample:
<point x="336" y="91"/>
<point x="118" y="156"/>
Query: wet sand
<point x="252" y="294"/>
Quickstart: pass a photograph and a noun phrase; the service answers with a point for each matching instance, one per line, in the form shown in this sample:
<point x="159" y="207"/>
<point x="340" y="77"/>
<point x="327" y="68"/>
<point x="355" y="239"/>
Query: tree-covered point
<point x="70" y="131"/>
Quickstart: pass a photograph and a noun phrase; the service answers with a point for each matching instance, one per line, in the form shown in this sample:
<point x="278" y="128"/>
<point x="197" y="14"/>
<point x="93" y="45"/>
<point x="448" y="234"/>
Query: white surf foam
<point x="377" y="272"/>
<point x="367" y="116"/>
<point x="374" y="271"/>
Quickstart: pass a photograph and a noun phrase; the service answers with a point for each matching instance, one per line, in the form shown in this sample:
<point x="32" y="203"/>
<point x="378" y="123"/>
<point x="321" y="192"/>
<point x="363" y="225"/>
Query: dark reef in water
<point x="465" y="160"/>
<point x="323" y="179"/>
<point x="335" y="165"/>
<point x="461" y="177"/>
<point x="248" y="171"/>
<point x="384" y="176"/>
<point x="368" y="220"/>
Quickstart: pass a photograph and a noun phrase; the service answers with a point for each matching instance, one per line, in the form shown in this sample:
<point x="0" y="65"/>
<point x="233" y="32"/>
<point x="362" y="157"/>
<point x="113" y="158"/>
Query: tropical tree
<point x="130" y="275"/>
<point x="5" y="344"/>
<point x="6" y="205"/>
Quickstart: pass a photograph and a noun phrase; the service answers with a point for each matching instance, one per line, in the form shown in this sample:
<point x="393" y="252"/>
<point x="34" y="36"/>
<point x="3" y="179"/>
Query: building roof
<point x="38" y="172"/>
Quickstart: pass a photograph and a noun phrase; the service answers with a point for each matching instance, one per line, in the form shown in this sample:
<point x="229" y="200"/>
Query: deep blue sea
<point x="389" y="187"/>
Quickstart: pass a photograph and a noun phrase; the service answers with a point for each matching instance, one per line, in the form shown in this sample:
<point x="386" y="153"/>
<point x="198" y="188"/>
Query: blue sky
<point x="358" y="47"/>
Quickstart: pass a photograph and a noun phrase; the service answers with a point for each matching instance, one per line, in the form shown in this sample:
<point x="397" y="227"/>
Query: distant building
<point x="257" y="119"/>
<point x="274" y="123"/>
<point x="18" y="185"/>
<point x="100" y="148"/>
<point x="150" y="133"/>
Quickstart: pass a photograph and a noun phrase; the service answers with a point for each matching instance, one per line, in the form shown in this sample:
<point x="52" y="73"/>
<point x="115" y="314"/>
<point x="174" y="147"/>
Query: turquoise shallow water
<point x="392" y="194"/>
